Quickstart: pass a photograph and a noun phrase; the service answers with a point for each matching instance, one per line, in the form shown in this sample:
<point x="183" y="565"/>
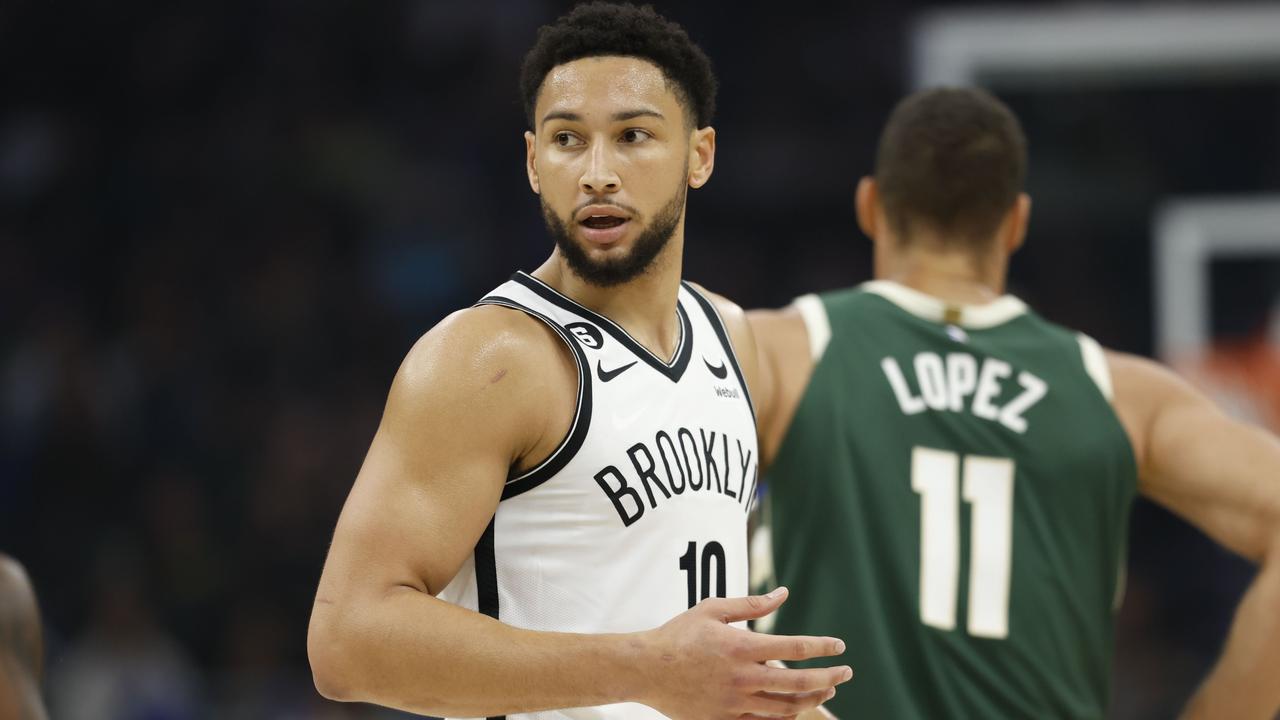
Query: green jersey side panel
<point x="953" y="503"/>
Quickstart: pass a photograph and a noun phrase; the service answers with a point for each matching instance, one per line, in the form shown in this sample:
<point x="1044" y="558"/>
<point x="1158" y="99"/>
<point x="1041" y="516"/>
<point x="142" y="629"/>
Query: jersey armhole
<point x="568" y="447"/>
<point x="722" y="333"/>
<point x="1095" y="363"/>
<point x="816" y="322"/>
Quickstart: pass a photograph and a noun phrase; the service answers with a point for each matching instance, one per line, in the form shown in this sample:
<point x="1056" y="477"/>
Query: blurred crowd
<point x="222" y="224"/>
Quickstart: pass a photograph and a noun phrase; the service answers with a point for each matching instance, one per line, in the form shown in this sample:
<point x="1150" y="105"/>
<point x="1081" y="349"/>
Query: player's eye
<point x="635" y="135"/>
<point x="566" y="139"/>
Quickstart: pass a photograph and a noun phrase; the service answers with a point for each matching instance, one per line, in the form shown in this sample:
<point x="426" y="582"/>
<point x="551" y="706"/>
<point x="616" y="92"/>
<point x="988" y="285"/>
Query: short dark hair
<point x="953" y="160"/>
<point x="597" y="29"/>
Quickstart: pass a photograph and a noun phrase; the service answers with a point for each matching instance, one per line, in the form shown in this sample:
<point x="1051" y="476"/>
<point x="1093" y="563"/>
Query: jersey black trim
<point x="717" y="324"/>
<point x="673" y="370"/>
<point x="487" y="579"/>
<point x="487" y="572"/>
<point x="568" y="447"/>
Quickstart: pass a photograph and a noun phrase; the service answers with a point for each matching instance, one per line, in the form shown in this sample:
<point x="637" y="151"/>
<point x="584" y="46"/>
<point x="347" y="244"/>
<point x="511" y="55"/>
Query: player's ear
<point x="531" y="161"/>
<point x="1014" y="228"/>
<point x="867" y="206"/>
<point x="702" y="156"/>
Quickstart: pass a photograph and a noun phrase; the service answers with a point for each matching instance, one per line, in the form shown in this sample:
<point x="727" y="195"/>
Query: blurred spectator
<point x="124" y="667"/>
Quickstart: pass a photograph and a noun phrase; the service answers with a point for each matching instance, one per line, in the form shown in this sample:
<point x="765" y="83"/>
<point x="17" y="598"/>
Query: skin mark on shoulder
<point x="498" y="376"/>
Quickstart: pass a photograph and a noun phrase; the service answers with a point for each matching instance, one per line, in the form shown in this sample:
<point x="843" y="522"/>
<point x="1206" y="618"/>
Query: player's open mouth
<point x="603" y="222"/>
<point x="602" y="225"/>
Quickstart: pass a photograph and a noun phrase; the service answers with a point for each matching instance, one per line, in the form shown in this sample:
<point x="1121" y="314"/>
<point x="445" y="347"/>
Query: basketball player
<point x="21" y="648"/>
<point x="552" y="513"/>
<point x="951" y="475"/>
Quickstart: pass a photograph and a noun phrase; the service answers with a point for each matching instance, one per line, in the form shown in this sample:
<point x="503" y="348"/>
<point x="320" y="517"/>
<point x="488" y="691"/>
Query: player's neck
<point x="955" y="277"/>
<point x="644" y="306"/>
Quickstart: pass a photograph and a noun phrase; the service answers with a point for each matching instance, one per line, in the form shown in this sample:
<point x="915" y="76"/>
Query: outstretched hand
<point x="702" y="668"/>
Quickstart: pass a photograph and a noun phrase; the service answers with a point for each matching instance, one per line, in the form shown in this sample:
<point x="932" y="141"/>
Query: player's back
<point x="952" y="500"/>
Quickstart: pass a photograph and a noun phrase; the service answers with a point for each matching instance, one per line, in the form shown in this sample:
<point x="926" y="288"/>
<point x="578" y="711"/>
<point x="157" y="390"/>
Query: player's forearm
<point x="413" y="652"/>
<point x="1243" y="683"/>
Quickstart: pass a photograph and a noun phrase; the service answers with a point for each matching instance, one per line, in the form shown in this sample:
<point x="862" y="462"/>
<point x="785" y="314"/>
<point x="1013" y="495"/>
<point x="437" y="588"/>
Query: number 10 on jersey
<point x="937" y="476"/>
<point x="712" y="565"/>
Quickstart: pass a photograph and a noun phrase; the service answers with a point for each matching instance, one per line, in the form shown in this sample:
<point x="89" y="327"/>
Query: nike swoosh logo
<point x="607" y="375"/>
<point x="719" y="371"/>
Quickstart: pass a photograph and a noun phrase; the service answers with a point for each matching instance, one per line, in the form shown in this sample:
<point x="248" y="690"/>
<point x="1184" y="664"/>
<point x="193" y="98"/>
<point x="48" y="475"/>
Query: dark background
<point x="222" y="224"/>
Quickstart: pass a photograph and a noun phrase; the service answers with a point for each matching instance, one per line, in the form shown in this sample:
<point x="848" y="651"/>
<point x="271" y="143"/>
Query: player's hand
<point x="700" y="668"/>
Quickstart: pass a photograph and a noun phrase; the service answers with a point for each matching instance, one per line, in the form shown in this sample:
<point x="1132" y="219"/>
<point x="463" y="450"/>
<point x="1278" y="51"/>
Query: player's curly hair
<point x="608" y="28"/>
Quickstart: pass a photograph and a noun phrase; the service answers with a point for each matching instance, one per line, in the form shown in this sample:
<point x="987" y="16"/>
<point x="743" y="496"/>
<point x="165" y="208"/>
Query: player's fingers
<point x="795" y="647"/>
<point x="819" y="696"/>
<point x="801" y="681"/>
<point x="729" y="610"/>
<point x="786" y="705"/>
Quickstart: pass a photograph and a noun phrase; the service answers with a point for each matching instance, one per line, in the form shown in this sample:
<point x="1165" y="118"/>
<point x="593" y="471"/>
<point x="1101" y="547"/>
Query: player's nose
<point x="599" y="176"/>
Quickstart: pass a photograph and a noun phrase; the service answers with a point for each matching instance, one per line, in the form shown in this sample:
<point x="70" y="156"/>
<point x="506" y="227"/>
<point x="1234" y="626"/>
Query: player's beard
<point x="617" y="270"/>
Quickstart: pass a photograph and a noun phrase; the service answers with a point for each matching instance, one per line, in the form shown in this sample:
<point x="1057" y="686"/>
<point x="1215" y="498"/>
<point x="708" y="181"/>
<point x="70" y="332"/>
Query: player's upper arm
<point x="786" y="363"/>
<point x="478" y="394"/>
<point x="1220" y="474"/>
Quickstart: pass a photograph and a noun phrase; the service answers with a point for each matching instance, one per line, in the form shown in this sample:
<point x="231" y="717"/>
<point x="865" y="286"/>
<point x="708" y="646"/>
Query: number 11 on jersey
<point x="988" y="486"/>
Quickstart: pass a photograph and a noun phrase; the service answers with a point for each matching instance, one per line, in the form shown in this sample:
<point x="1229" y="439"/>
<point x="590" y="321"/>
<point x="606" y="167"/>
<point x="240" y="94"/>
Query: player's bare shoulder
<point x="494" y="368"/>
<point x="17" y="599"/>
<point x="21" y="646"/>
<point x="1142" y="377"/>
<point x="12" y="577"/>
<point x="1142" y="390"/>
<point x="727" y="308"/>
<point x="469" y="343"/>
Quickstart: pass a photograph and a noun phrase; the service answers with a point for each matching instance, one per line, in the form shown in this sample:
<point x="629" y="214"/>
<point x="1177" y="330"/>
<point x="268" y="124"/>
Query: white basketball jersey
<point x="642" y="510"/>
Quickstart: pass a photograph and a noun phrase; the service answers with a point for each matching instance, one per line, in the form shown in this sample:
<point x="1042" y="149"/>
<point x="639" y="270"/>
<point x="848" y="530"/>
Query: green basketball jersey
<point x="952" y="499"/>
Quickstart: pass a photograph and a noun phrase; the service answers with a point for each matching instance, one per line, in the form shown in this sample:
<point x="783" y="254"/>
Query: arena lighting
<point x="1014" y="47"/>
